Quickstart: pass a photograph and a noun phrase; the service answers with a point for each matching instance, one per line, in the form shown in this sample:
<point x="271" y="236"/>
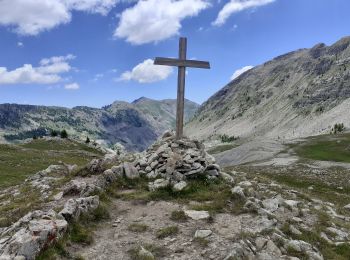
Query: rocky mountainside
<point x="301" y="93"/>
<point x="134" y="125"/>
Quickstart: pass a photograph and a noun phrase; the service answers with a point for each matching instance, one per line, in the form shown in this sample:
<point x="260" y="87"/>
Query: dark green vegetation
<point x="64" y="134"/>
<point x="167" y="231"/>
<point x="17" y="162"/>
<point x="338" y="128"/>
<point x="227" y="139"/>
<point x="35" y="133"/>
<point x="325" y="148"/>
<point x="178" y="215"/>
<point x="54" y="133"/>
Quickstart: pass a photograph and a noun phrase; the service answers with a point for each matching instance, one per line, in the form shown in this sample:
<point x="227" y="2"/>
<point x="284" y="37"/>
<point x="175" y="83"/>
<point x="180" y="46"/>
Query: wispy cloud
<point x="235" y="6"/>
<point x="72" y="86"/>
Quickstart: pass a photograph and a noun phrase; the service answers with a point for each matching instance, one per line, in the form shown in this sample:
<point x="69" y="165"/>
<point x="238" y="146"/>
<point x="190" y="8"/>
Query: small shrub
<point x="80" y="234"/>
<point x="167" y="231"/>
<point x="343" y="250"/>
<point x="137" y="227"/>
<point x="57" y="249"/>
<point x="338" y="128"/>
<point x="54" y="133"/>
<point x="64" y="134"/>
<point x="135" y="254"/>
<point x="178" y="215"/>
<point x="100" y="213"/>
<point x="227" y="139"/>
<point x="157" y="251"/>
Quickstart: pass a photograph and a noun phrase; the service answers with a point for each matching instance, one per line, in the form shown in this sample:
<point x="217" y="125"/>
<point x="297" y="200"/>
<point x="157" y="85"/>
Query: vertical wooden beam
<point x="181" y="90"/>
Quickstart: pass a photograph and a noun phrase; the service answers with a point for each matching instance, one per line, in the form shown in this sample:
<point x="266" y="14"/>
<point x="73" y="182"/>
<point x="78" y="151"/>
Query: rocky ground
<point x="258" y="220"/>
<point x="174" y="202"/>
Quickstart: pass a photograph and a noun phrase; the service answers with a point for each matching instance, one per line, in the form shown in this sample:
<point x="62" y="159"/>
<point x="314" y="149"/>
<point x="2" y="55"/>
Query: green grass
<point x="56" y="251"/>
<point x="167" y="232"/>
<point x="221" y="148"/>
<point x="80" y="234"/>
<point x="28" y="200"/>
<point x="17" y="162"/>
<point x="325" y="148"/>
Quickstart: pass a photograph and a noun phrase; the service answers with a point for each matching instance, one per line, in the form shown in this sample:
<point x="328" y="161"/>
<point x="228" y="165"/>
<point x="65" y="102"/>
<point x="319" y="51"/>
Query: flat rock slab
<point x="203" y="233"/>
<point x="197" y="215"/>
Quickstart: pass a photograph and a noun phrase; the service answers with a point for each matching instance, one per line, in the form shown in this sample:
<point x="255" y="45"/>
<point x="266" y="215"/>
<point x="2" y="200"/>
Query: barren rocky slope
<point x="134" y="125"/>
<point x="298" y="94"/>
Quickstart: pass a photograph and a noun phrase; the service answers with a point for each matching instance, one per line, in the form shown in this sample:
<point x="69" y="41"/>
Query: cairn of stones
<point x="174" y="162"/>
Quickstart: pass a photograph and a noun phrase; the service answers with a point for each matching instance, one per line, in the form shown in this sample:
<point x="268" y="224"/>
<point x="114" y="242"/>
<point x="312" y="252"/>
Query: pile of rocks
<point x="39" y="229"/>
<point x="172" y="161"/>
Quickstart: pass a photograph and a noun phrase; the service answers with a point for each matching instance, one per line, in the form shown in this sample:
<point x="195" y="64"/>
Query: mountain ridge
<point x="135" y="126"/>
<point x="297" y="94"/>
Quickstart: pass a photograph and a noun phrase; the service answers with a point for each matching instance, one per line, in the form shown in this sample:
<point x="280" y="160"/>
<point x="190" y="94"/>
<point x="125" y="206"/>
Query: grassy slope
<point x="326" y="148"/>
<point x="20" y="161"/>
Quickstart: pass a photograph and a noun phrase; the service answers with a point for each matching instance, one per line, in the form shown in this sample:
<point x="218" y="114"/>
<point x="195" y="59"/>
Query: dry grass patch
<point x="167" y="231"/>
<point x="138" y="227"/>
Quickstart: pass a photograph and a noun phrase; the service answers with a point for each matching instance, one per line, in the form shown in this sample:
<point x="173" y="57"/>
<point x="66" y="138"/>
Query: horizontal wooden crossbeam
<point x="182" y="63"/>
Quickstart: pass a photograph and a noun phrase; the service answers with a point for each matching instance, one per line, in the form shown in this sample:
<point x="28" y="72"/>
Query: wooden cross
<point x="181" y="63"/>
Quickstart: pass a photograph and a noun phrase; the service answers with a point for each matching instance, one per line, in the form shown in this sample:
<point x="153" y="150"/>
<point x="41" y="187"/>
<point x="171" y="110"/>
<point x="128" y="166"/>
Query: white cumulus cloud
<point x="235" y="6"/>
<point x="156" y="20"/>
<point x="48" y="72"/>
<point x="31" y="17"/>
<point x="147" y="72"/>
<point x="240" y="71"/>
<point x="72" y="86"/>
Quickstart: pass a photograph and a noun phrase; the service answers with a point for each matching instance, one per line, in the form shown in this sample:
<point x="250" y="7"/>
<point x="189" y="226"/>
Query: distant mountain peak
<point x="141" y="99"/>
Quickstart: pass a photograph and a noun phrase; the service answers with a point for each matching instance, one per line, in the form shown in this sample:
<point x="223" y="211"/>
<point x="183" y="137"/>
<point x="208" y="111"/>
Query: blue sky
<point x="80" y="52"/>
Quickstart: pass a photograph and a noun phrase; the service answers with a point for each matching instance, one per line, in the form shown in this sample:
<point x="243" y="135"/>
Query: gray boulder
<point x="130" y="171"/>
<point x="157" y="184"/>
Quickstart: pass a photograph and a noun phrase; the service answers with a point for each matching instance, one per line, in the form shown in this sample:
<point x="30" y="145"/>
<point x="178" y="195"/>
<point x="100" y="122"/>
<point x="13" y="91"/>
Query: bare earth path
<point x="113" y="239"/>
